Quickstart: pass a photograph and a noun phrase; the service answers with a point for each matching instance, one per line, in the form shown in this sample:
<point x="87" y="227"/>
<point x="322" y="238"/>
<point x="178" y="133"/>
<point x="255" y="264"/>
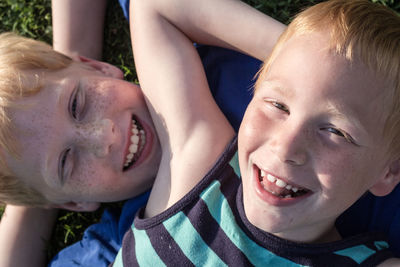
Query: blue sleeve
<point x="101" y="241"/>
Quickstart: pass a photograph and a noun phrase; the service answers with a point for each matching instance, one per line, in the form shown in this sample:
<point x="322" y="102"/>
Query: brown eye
<point x="281" y="107"/>
<point x="335" y="131"/>
<point x="340" y="133"/>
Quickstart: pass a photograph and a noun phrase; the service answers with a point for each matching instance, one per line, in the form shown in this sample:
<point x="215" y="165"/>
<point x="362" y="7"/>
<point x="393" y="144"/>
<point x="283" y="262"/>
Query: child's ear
<point x="78" y="206"/>
<point x="103" y="67"/>
<point x="388" y="182"/>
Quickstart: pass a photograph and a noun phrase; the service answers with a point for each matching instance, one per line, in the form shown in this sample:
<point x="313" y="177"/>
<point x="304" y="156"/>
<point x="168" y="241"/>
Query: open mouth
<point x="279" y="187"/>
<point x="136" y="144"/>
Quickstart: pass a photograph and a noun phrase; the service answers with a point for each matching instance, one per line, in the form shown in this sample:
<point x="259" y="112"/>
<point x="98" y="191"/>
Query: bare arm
<point x="78" y="27"/>
<point x="192" y="130"/>
<point x="24" y="233"/>
<point x="227" y="23"/>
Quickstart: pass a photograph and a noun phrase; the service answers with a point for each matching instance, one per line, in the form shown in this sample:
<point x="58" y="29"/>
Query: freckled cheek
<point x="90" y="175"/>
<point x="101" y="102"/>
<point x="343" y="169"/>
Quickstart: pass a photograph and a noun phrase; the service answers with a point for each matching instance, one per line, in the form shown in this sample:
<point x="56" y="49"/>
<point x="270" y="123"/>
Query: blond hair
<point x="20" y="56"/>
<point x="357" y="28"/>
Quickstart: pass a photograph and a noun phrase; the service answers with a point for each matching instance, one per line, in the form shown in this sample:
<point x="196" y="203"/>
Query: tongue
<point x="272" y="187"/>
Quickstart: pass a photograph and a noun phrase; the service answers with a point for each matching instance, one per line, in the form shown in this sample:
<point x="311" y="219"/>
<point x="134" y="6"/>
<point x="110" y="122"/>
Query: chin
<point x="263" y="218"/>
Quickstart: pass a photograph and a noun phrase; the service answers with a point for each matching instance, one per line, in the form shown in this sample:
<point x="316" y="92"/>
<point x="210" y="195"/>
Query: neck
<point x="311" y="236"/>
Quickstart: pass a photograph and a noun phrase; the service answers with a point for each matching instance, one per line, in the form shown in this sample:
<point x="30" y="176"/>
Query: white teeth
<point x="271" y="178"/>
<point x="280" y="183"/>
<point x="134" y="146"/>
<point x="135" y="139"/>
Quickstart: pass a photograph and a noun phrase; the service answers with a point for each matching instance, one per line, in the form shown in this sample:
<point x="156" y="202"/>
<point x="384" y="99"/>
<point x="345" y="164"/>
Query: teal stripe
<point x="222" y="213"/>
<point x="357" y="253"/>
<point x="235" y="164"/>
<point x="381" y="245"/>
<point x="118" y="259"/>
<point x="190" y="242"/>
<point x="145" y="253"/>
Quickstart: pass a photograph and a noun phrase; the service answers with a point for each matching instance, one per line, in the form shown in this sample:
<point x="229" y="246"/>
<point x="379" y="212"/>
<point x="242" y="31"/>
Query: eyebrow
<point x="273" y="85"/>
<point x="335" y="112"/>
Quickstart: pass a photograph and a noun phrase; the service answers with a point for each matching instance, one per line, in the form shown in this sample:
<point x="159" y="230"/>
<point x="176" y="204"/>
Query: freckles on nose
<point x="102" y="100"/>
<point x="97" y="136"/>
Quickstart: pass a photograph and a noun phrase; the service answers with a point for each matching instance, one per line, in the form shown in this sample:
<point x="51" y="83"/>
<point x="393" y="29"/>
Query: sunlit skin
<point x="81" y="120"/>
<point x="316" y="122"/>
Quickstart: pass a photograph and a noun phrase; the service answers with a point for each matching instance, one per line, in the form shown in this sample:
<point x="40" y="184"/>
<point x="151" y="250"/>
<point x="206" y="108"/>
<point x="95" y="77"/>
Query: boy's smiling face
<point x="311" y="143"/>
<point x="78" y="141"/>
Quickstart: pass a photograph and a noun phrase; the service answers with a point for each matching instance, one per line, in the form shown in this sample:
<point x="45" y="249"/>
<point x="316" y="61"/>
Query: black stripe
<point x="166" y="247"/>
<point x="128" y="249"/>
<point x="378" y="258"/>
<point x="326" y="260"/>
<point x="214" y="236"/>
<point x="229" y="188"/>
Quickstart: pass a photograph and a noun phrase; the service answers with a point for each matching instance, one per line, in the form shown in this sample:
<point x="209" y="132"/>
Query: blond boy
<point x="75" y="147"/>
<point x="319" y="133"/>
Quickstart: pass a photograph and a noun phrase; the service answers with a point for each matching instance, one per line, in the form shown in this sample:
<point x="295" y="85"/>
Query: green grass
<point x="33" y="19"/>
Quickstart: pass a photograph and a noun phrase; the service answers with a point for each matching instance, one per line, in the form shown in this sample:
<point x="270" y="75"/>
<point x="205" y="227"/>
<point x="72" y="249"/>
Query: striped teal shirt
<point x="208" y="227"/>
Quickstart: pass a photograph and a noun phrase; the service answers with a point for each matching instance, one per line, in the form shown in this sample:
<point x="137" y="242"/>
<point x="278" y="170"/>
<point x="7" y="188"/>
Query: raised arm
<point x="78" y="27"/>
<point x="227" y="23"/>
<point x="24" y="233"/>
<point x="192" y="130"/>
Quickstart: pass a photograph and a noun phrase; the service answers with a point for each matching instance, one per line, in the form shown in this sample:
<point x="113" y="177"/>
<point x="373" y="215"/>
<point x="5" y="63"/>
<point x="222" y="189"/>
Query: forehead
<point x="36" y="122"/>
<point x="307" y="68"/>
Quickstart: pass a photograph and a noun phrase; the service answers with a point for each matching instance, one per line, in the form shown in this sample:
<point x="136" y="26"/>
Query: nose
<point x="98" y="136"/>
<point x="290" y="144"/>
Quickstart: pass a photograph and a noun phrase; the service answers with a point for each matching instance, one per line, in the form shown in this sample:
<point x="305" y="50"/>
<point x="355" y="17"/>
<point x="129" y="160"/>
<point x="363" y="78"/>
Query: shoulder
<point x="392" y="262"/>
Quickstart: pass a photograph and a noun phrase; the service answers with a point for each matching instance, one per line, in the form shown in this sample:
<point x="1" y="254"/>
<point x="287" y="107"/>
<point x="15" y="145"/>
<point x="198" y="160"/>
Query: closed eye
<point x="61" y="164"/>
<point x="77" y="103"/>
<point x="73" y="107"/>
